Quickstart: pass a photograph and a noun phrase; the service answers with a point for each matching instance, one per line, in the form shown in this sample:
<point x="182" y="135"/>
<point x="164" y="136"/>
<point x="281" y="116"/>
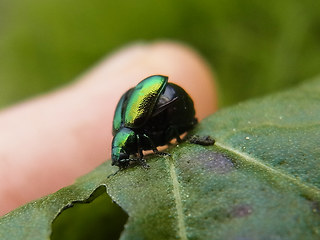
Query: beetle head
<point x="124" y="143"/>
<point x="119" y="156"/>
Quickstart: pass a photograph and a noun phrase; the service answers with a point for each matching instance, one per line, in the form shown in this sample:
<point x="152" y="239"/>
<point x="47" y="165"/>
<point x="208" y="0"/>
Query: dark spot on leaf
<point x="306" y="197"/>
<point x="315" y="207"/>
<point x="282" y="162"/>
<point x="241" y="210"/>
<point x="215" y="162"/>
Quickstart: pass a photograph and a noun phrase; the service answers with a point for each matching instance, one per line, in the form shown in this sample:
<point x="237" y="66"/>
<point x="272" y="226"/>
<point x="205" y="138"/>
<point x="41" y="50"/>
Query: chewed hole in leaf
<point x="96" y="218"/>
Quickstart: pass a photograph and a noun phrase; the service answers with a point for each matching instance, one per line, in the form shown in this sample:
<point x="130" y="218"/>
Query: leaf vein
<point x="177" y="196"/>
<point x="310" y="190"/>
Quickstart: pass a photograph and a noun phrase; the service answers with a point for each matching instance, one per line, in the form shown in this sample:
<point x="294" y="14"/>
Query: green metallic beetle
<point x="149" y="115"/>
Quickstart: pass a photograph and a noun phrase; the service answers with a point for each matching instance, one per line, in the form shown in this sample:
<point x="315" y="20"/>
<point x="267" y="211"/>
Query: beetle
<point x="149" y="115"/>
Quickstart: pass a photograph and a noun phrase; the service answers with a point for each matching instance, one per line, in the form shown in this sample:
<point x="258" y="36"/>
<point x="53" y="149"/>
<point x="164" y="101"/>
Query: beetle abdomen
<point x="177" y="115"/>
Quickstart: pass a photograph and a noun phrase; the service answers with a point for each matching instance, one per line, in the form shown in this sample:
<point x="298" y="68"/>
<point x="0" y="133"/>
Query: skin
<point x="49" y="141"/>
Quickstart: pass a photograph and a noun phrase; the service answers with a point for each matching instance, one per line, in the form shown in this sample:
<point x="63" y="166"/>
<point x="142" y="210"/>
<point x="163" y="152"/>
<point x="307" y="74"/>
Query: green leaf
<point x="259" y="181"/>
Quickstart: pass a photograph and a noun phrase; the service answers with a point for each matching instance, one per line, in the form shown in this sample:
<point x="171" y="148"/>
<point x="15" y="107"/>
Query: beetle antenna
<point x="113" y="174"/>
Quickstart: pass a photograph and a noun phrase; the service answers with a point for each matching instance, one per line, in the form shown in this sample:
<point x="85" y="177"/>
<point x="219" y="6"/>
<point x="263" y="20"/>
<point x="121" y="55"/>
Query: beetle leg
<point x="143" y="163"/>
<point x="140" y="159"/>
<point x="124" y="163"/>
<point x="178" y="138"/>
<point x="172" y="132"/>
<point x="154" y="148"/>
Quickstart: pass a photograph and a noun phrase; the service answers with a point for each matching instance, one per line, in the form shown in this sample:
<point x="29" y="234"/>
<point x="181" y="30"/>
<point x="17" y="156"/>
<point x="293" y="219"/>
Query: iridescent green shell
<point x="142" y="101"/>
<point x="118" y="119"/>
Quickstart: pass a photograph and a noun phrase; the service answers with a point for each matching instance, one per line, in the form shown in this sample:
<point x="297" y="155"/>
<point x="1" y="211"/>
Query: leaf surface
<point x="259" y="181"/>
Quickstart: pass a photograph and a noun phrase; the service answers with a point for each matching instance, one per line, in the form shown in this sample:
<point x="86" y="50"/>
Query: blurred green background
<point x="254" y="47"/>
